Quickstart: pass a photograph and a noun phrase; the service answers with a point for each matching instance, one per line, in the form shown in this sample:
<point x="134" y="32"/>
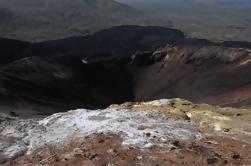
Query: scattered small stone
<point x="112" y="152"/>
<point x="67" y="157"/>
<point x="186" y="103"/>
<point x="93" y="156"/>
<point x="217" y="155"/>
<point x="172" y="104"/>
<point x="101" y="141"/>
<point x="148" y="145"/>
<point x="176" y="143"/>
<point x="187" y="118"/>
<point x="139" y="157"/>
<point x="226" y="130"/>
<point x="212" y="160"/>
<point x="211" y="142"/>
<point x="148" y="134"/>
<point x="77" y="151"/>
<point x="236" y="156"/>
<point x="110" y="164"/>
<point x="164" y="140"/>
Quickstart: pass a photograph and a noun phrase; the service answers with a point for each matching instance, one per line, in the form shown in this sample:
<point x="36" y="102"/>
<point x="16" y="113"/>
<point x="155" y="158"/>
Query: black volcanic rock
<point x="12" y="50"/>
<point x="236" y="44"/>
<point x="116" y="42"/>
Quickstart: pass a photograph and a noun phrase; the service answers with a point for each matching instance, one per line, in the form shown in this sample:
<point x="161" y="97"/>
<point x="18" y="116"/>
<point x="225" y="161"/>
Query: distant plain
<point x="41" y="20"/>
<point x="216" y="20"/>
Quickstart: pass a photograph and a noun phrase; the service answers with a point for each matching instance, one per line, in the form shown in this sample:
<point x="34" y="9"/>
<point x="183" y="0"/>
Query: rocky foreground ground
<point x="161" y="132"/>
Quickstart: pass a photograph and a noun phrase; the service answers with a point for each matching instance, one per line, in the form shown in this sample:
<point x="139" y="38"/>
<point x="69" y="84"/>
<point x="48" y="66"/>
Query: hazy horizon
<point x="191" y="4"/>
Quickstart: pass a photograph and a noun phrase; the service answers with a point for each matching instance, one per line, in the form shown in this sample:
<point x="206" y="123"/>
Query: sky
<point x="182" y="2"/>
<point x="187" y="4"/>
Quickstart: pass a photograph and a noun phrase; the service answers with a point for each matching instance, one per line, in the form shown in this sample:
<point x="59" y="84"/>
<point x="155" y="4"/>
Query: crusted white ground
<point x="140" y="125"/>
<point x="137" y="128"/>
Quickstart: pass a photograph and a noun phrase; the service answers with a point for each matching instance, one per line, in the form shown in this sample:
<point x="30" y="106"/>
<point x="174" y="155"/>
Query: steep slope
<point x="77" y="72"/>
<point x="211" y="74"/>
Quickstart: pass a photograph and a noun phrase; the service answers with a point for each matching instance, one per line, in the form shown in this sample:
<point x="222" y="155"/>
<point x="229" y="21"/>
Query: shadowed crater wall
<point x="126" y="63"/>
